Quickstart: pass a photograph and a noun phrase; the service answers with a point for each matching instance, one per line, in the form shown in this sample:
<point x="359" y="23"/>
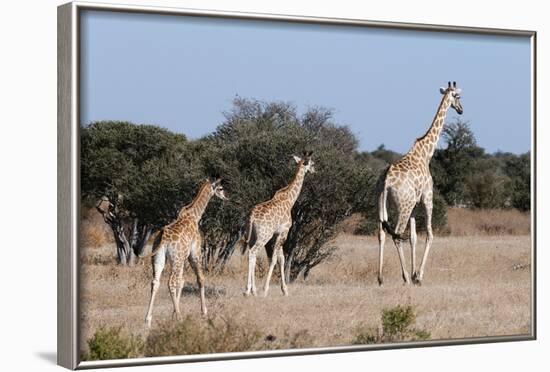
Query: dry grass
<point x="93" y="231"/>
<point x="467" y="222"/>
<point x="473" y="286"/>
<point x="194" y="335"/>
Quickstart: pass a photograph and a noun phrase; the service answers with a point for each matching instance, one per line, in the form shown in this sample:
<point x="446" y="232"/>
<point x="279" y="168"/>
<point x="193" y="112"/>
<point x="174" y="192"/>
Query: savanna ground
<point x="477" y="283"/>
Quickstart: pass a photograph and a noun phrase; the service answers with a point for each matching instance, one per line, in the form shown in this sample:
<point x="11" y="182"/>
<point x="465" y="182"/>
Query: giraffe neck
<point x="196" y="208"/>
<point x="424" y="147"/>
<point x="292" y="191"/>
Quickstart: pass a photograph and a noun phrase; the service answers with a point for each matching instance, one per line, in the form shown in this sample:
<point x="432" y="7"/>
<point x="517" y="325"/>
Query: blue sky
<point x="182" y="73"/>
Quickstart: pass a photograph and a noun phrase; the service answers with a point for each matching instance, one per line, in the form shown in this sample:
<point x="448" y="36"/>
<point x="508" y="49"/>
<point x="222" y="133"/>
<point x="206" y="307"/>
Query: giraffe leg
<point x="251" y="269"/>
<point x="399" y="229"/>
<point x="272" y="263"/>
<point x="382" y="216"/>
<point x="404" y="272"/>
<point x="158" y="262"/>
<point x="281" y="256"/>
<point x="277" y="254"/>
<point x="195" y="262"/>
<point x="174" y="285"/>
<point x="381" y="241"/>
<point x="180" y="283"/>
<point x="252" y="253"/>
<point x="428" y="205"/>
<point x="412" y="225"/>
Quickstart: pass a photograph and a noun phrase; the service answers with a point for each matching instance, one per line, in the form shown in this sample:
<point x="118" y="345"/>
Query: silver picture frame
<point x="68" y="181"/>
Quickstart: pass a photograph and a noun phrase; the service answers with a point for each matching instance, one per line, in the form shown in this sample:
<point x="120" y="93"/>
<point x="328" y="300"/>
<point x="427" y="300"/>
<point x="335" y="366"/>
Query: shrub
<point x="365" y="336"/>
<point x="197" y="336"/>
<point x="111" y="343"/>
<point x="518" y="168"/>
<point x="296" y="340"/>
<point x="397" y="326"/>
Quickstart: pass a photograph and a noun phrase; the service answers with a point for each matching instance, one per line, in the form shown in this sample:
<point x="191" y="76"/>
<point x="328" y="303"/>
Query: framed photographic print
<point x="379" y="176"/>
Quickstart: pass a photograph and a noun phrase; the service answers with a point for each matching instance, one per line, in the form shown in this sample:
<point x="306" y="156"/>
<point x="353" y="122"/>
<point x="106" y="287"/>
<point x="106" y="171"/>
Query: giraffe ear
<point x="297" y="159"/>
<point x="442" y="90"/>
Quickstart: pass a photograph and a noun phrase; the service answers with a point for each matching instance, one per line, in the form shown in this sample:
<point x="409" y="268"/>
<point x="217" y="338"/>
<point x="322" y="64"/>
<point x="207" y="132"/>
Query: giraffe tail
<point x="383" y="215"/>
<point x="249" y="237"/>
<point x="156" y="245"/>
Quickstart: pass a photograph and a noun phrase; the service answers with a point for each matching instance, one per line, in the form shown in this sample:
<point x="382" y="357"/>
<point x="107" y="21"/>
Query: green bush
<point x="143" y="172"/>
<point x="518" y="168"/>
<point x="111" y="343"/>
<point x="197" y="336"/>
<point x="397" y="325"/>
<point x="397" y="320"/>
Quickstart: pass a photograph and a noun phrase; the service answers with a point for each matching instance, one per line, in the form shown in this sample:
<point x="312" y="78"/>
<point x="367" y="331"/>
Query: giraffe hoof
<point x="380" y="281"/>
<point x="417" y="278"/>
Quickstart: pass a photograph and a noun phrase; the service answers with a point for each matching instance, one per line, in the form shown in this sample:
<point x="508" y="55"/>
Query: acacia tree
<point x="518" y="169"/>
<point x="451" y="165"/>
<point x="252" y="150"/>
<point x="141" y="175"/>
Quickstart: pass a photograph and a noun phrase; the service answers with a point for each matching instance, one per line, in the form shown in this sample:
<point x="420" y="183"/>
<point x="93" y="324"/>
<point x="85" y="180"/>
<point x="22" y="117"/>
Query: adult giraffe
<point x="409" y="182"/>
<point x="270" y="219"/>
<point x="179" y="241"/>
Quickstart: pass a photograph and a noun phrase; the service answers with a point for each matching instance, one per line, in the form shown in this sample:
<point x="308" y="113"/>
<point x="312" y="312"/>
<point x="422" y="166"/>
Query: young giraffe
<point x="409" y="181"/>
<point x="179" y="241"/>
<point x="273" y="218"/>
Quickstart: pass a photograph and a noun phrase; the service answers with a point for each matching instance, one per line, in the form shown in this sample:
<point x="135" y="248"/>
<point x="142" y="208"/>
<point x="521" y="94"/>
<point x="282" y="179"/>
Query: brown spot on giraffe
<point x="270" y="219"/>
<point x="408" y="181"/>
<point x="181" y="241"/>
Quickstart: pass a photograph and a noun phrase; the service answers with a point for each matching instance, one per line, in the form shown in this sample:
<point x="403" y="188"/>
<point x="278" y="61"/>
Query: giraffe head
<point x="454" y="96"/>
<point x="306" y="161"/>
<point x="217" y="188"/>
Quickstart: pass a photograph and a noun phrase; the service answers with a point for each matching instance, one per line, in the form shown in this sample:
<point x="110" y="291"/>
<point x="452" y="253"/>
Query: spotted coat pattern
<point x="272" y="219"/>
<point x="181" y="241"/>
<point x="408" y="181"/>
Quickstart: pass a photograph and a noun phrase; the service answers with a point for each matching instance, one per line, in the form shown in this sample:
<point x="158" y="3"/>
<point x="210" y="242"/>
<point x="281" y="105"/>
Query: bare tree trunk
<point x="144" y="235"/>
<point x="138" y="237"/>
<point x="124" y="251"/>
<point x="130" y="242"/>
<point x="288" y="265"/>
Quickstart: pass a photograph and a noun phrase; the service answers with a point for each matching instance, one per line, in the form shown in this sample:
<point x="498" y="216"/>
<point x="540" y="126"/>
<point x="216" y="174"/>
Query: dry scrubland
<point x="477" y="283"/>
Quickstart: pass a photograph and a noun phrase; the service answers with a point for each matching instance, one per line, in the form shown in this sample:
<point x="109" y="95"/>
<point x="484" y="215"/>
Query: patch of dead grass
<point x="94" y="232"/>
<point x="472" y="288"/>
<point x="492" y="222"/>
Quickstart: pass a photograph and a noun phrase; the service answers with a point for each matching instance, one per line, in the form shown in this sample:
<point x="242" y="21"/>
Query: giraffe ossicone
<point x="408" y="182"/>
<point x="273" y="219"/>
<point x="179" y="241"/>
